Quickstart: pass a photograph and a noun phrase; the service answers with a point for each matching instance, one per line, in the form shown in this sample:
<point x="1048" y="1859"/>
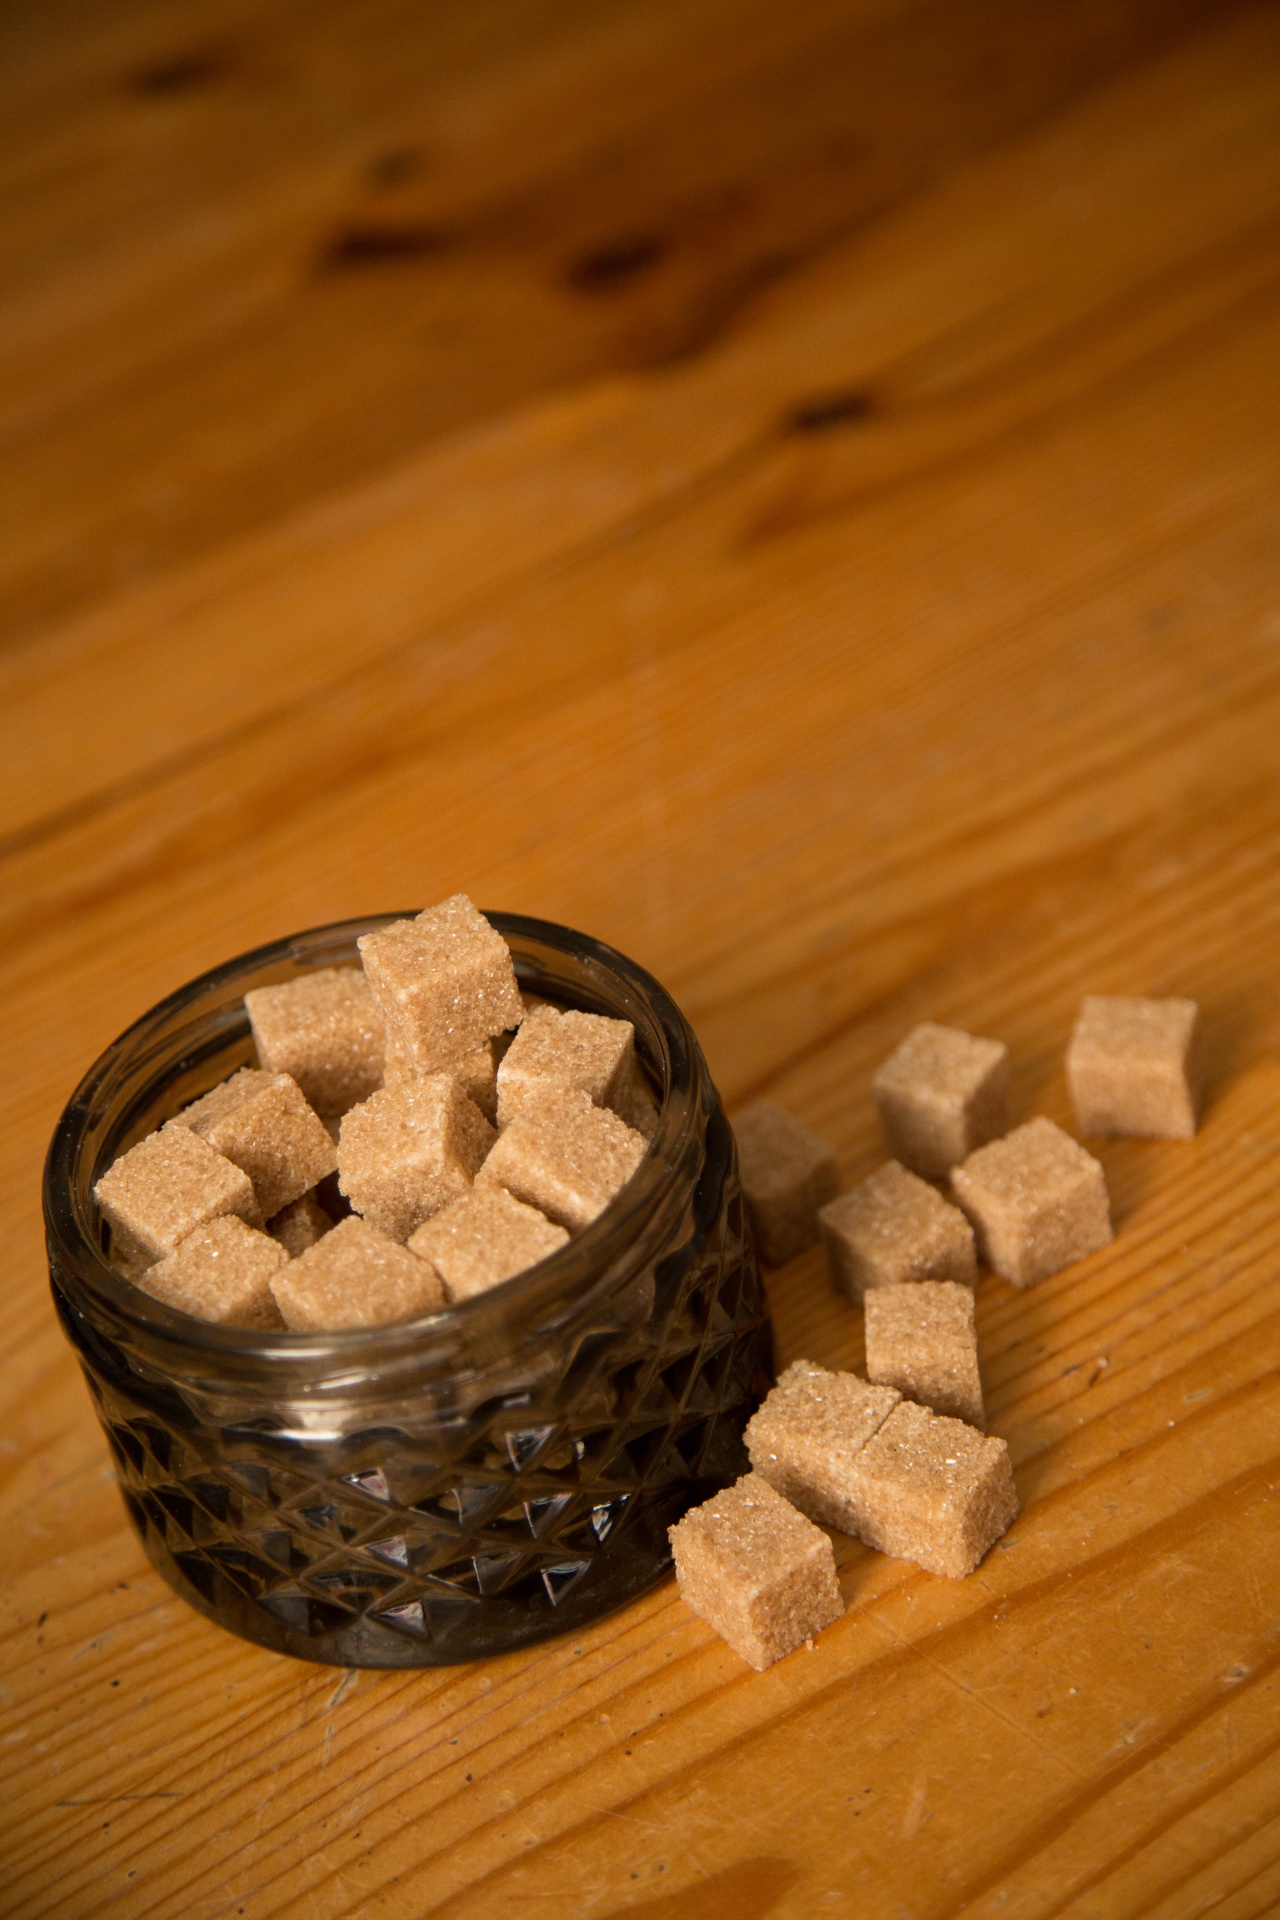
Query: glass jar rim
<point x="71" y="1214"/>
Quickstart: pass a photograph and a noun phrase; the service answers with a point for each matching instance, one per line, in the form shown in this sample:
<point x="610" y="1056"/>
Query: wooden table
<point x="793" y="491"/>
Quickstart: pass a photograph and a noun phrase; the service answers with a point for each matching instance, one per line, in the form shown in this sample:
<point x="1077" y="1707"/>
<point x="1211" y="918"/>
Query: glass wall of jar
<point x="448" y="1487"/>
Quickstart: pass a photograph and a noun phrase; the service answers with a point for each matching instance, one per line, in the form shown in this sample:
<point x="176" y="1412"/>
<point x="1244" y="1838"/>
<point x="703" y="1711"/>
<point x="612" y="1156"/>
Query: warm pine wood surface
<point x="792" y="490"/>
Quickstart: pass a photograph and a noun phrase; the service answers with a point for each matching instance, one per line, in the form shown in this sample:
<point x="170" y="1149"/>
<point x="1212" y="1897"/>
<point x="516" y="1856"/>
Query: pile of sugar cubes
<point x="471" y="1132"/>
<point x="901" y="1459"/>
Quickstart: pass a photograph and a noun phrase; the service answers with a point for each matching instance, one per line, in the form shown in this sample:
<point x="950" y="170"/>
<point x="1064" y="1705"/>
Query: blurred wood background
<point x="792" y="490"/>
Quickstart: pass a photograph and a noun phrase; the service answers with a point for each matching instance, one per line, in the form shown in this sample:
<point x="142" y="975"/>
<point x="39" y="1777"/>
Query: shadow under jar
<point x="452" y="1486"/>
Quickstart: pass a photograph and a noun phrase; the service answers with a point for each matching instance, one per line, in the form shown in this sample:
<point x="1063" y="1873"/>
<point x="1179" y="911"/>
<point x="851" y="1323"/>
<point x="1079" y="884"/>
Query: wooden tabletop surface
<point x="791" y="490"/>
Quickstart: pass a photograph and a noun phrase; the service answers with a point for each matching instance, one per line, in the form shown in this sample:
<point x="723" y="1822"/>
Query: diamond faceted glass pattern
<point x="280" y="1548"/>
<point x="603" y="1516"/>
<point x="604" y="1467"/>
<point x="253" y="1574"/>
<point x="495" y="1572"/>
<point x="542" y="1513"/>
<point x="525" y="1444"/>
<point x="468" y="1504"/>
<point x="126" y="1449"/>
<point x="354" y="1587"/>
<point x="372" y="1481"/>
<point x="406" y="1619"/>
<point x="558" y="1580"/>
<point x="457" y="1577"/>
<point x="395" y="1550"/>
<point x="334" y="1520"/>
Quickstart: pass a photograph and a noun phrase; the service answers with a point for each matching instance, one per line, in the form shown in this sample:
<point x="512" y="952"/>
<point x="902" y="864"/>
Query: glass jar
<point x="452" y="1486"/>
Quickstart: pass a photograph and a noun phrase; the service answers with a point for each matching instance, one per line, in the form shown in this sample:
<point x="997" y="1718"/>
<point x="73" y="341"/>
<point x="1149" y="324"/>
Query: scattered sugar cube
<point x="568" y="1158"/>
<point x="922" y="1339"/>
<point x="408" y="1150"/>
<point x="164" y="1188"/>
<point x="299" y="1225"/>
<point x="760" y="1574"/>
<point x="1133" y="1067"/>
<point x="555" y="1049"/>
<point x="932" y="1490"/>
<point x="485" y="1237"/>
<point x="1037" y="1201"/>
<point x="807" y="1433"/>
<point x="895" y="1227"/>
<point x="262" y="1123"/>
<point x="788" y="1172"/>
<point x="941" y="1093"/>
<point x="325" y="1032"/>
<point x="355" y="1277"/>
<point x="444" y="984"/>
<point x="222" y="1272"/>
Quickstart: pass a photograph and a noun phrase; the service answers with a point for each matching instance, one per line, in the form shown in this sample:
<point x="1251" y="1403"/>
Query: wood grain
<point x="792" y="491"/>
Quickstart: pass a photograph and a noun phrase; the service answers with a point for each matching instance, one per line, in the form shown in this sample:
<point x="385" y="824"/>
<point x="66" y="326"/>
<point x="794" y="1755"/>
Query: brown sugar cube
<point x="807" y="1433"/>
<point x="941" y="1093"/>
<point x="922" y="1339"/>
<point x="760" y="1574"/>
<point x="484" y="1238"/>
<point x="222" y="1272"/>
<point x="1037" y="1201"/>
<point x="164" y="1188"/>
<point x="552" y="1050"/>
<point x="476" y="1073"/>
<point x="933" y="1490"/>
<point x="1133" y="1067"/>
<point x="528" y="1002"/>
<point x="892" y="1228"/>
<point x="262" y="1123"/>
<point x="325" y="1032"/>
<point x="408" y="1150"/>
<point x="568" y="1159"/>
<point x="355" y="1277"/>
<point x="788" y="1173"/>
<point x="443" y="983"/>
<point x="299" y="1225"/>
